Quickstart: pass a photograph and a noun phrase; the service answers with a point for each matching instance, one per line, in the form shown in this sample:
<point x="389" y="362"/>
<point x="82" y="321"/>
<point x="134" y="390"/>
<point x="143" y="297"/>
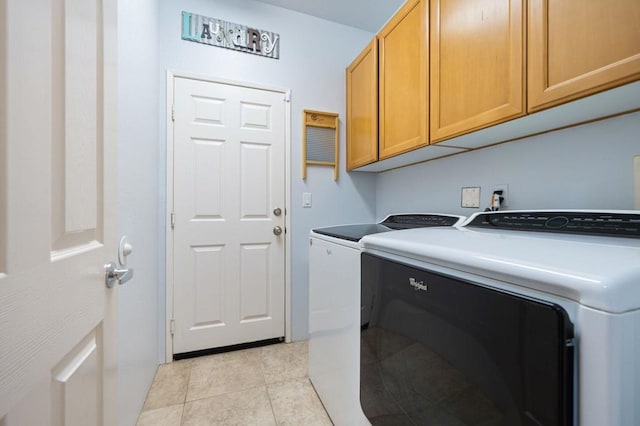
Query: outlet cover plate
<point x="471" y="197"/>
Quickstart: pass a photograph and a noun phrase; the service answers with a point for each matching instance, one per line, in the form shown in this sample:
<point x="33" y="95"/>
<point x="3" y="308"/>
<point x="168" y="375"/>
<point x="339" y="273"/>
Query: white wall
<point x="588" y="167"/>
<point x="138" y="158"/>
<point x="313" y="56"/>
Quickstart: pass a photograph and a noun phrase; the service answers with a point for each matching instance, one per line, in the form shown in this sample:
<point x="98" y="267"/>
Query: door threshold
<point x="230" y="348"/>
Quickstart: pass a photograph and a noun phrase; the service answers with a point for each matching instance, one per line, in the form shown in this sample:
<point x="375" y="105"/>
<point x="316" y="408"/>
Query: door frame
<point x="169" y="281"/>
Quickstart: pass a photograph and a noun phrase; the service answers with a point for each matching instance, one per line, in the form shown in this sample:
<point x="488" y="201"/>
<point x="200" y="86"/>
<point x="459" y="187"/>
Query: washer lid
<point x="597" y="271"/>
<point x="392" y="222"/>
<point x="352" y="232"/>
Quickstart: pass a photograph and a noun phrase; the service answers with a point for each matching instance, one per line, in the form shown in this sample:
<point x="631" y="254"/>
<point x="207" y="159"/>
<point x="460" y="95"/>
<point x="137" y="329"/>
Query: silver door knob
<point x="277" y="211"/>
<point x="113" y="274"/>
<point x="277" y="230"/>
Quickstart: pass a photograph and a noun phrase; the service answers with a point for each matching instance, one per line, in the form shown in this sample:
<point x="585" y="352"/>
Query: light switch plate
<point x="306" y="199"/>
<point x="471" y="197"/>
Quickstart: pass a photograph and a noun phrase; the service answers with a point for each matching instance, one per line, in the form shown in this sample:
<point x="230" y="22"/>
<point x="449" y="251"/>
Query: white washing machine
<point x="335" y="314"/>
<point x="515" y="318"/>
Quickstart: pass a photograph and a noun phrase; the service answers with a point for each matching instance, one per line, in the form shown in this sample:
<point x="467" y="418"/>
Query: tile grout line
<point x="266" y="387"/>
<point x="184" y="402"/>
<point x="222" y="394"/>
<point x="182" y="416"/>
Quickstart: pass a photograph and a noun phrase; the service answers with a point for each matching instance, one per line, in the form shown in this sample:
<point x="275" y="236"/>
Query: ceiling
<point x="368" y="15"/>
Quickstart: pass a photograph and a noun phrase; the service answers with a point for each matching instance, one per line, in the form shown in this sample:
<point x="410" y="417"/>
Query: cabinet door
<point x="403" y="86"/>
<point x="477" y="64"/>
<point x="362" y="108"/>
<point x="579" y="47"/>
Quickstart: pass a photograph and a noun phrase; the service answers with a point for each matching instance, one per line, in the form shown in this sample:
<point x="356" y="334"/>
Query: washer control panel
<point x="622" y="224"/>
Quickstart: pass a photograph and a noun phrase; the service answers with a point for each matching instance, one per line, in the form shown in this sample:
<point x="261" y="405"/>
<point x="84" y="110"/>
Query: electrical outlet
<point x="471" y="197"/>
<point x="505" y="192"/>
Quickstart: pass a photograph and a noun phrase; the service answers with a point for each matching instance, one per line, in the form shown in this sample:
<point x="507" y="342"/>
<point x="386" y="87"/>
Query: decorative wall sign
<point x="216" y="32"/>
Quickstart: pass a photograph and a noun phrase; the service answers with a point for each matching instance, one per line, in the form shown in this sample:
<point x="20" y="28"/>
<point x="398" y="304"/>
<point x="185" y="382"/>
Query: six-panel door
<point x="57" y="212"/>
<point x="229" y="179"/>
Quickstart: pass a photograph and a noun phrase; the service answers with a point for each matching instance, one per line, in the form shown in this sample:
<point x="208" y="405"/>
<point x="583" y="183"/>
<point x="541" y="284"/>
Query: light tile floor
<point x="260" y="386"/>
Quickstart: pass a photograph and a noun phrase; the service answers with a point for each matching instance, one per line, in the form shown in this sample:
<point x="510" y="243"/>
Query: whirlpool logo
<point x="417" y="285"/>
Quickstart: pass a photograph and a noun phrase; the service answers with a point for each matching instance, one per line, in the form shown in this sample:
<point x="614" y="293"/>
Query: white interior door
<point x="228" y="204"/>
<point x="57" y="218"/>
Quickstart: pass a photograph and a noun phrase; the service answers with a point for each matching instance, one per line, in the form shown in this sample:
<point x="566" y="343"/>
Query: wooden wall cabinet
<point x="446" y="68"/>
<point x="362" y="108"/>
<point x="580" y="47"/>
<point x="477" y="67"/>
<point x="403" y="89"/>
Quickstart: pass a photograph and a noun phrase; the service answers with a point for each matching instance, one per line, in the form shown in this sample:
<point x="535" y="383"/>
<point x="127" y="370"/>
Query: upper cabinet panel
<point x="477" y="64"/>
<point x="579" y="47"/>
<point x="403" y="86"/>
<point x="362" y="108"/>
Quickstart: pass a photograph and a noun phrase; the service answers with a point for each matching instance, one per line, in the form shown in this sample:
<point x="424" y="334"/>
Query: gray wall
<point x="138" y="158"/>
<point x="586" y="167"/>
<point x="313" y="56"/>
